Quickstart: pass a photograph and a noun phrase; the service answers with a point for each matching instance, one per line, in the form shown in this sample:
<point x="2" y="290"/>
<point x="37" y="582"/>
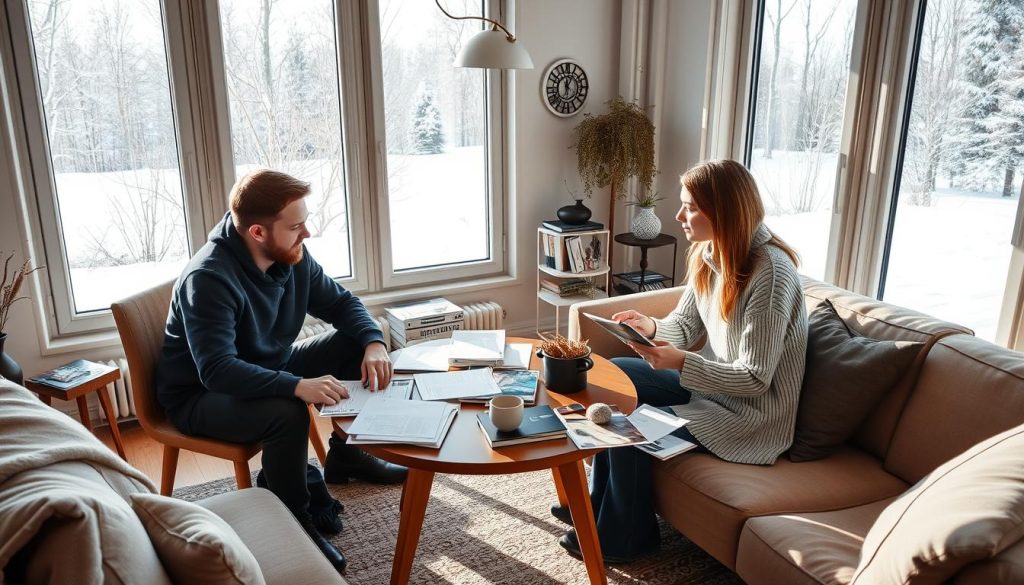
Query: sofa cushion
<point x="816" y="547"/>
<point x="709" y="499"/>
<point x="845" y="377"/>
<point x="1006" y="567"/>
<point x="877" y="320"/>
<point x="970" y="508"/>
<point x="195" y="545"/>
<point x="66" y="525"/>
<point x="967" y="391"/>
<point x="283" y="550"/>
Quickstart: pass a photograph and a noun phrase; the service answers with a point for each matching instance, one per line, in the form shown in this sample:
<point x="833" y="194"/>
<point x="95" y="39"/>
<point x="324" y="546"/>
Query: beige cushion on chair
<point x="968" y="509"/>
<point x="195" y="545"/>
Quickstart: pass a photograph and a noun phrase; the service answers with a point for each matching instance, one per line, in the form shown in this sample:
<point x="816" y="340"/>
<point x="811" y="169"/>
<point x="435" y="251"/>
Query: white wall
<point x="585" y="30"/>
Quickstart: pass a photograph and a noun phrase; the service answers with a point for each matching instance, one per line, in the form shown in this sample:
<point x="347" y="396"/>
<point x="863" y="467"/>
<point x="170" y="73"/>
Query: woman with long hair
<point x="740" y="393"/>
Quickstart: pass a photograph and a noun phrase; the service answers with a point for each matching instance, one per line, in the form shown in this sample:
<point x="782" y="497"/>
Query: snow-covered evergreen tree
<point x="427" y="132"/>
<point x="991" y="133"/>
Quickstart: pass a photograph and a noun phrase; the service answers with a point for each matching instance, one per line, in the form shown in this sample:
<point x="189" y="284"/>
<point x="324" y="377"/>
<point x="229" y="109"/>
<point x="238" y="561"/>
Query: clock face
<point x="564" y="88"/>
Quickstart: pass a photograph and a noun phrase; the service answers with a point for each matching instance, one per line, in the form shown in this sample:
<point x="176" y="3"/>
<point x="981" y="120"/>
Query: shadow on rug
<point x="486" y="529"/>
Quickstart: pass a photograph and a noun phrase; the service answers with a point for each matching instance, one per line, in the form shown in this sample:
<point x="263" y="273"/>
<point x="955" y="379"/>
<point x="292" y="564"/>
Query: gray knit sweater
<point x="745" y="384"/>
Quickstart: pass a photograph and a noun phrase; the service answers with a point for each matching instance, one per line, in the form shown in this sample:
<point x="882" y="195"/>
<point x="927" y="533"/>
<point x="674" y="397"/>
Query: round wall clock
<point x="564" y="87"/>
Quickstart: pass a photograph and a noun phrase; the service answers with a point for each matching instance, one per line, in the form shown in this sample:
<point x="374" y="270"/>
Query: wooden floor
<point x="146" y="455"/>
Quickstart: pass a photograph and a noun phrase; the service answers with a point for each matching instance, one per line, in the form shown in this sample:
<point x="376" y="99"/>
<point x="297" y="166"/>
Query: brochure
<point x="618" y="432"/>
<point x="667" y="447"/>
<point x="522" y="383"/>
<point x="625" y="333"/>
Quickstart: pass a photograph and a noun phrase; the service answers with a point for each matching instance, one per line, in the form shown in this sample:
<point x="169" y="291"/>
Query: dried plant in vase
<point x="11" y="285"/>
<point x="565" y="348"/>
<point x="613" y="147"/>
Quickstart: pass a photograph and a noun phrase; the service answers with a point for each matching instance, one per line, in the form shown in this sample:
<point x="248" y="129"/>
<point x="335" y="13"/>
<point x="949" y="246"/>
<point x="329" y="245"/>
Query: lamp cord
<point x="511" y="37"/>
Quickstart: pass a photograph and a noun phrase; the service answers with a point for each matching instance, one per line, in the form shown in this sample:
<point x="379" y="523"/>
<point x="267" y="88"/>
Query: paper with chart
<point x="359" y="397"/>
<point x="456" y="385"/>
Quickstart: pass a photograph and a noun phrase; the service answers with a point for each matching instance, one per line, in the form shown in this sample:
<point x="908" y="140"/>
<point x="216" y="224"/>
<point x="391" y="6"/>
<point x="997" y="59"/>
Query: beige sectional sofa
<point x="798" y="523"/>
<point x="66" y="513"/>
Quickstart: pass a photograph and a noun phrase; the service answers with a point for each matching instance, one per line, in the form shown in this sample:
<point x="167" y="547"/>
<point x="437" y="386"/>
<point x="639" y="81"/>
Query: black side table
<point x="628" y="239"/>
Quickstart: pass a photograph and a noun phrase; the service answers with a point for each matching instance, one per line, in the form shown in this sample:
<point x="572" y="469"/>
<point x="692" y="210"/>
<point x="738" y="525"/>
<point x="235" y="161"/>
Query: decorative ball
<point x="599" y="413"/>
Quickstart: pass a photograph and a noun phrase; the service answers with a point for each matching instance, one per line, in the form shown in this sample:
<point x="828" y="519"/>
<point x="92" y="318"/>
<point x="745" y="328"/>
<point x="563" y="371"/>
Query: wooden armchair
<point x="141" y="320"/>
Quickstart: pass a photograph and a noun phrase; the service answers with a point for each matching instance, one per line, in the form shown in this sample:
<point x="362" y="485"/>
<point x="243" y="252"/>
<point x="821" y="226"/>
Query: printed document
<point x="455" y="385"/>
<point x="430" y="356"/>
<point x="359" y="397"/>
<point x="403" y="421"/>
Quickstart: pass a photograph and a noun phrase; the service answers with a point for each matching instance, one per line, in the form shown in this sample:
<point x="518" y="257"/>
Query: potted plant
<point x="9" y="287"/>
<point x="566" y="362"/>
<point x="645" y="224"/>
<point x="614" y="147"/>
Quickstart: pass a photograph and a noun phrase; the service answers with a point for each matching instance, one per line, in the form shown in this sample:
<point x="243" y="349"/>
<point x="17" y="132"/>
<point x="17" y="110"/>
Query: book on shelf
<point x="562" y="227"/>
<point x="521" y="383"/>
<point x="72" y="374"/>
<point x="477" y="348"/>
<point x="568" y="288"/>
<point x="419" y="314"/>
<point x="539" y="424"/>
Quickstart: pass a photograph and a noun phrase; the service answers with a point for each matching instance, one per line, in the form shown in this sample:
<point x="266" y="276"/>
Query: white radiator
<point x="485" y="315"/>
<point x="120" y="391"/>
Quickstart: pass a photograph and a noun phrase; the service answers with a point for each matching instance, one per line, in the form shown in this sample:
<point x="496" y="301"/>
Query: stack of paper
<point x="477" y="348"/>
<point x="430" y="356"/>
<point x="411" y="422"/>
<point x="359" y="397"/>
<point x="517" y="357"/>
<point x="456" y="385"/>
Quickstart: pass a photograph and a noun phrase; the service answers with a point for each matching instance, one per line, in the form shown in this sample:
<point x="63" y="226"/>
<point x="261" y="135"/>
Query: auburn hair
<point x="259" y="196"/>
<point x="725" y="192"/>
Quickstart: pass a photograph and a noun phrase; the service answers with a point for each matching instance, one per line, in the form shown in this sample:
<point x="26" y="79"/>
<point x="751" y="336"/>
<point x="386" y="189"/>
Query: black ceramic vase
<point x="8" y="367"/>
<point x="578" y="214"/>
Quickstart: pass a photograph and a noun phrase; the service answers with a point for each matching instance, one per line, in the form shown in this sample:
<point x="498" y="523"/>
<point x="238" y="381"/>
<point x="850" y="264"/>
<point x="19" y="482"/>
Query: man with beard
<point x="229" y="370"/>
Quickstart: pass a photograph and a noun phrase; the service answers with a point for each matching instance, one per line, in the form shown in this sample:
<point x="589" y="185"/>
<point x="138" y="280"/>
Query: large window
<point x="110" y="144"/>
<point x="139" y="114"/>
<point x="948" y="250"/>
<point x="797" y="119"/>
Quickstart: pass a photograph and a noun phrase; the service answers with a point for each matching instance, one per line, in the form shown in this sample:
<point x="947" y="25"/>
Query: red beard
<point x="286" y="256"/>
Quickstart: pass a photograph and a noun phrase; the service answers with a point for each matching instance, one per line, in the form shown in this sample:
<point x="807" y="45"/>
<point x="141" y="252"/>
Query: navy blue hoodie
<point x="231" y="326"/>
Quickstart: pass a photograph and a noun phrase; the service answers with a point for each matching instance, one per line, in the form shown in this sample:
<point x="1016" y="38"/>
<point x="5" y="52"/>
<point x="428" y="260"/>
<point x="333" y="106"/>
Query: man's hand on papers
<point x="376" y="369"/>
<point x="323" y="390"/>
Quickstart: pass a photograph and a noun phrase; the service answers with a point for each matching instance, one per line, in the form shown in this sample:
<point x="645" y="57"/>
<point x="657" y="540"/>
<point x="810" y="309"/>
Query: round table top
<point x="629" y="239"/>
<point x="466" y="451"/>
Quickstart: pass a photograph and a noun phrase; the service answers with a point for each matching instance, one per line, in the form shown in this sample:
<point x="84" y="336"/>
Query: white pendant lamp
<point x="490" y="49"/>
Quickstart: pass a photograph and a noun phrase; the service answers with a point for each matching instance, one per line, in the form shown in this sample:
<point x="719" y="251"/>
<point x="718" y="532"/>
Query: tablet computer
<point x="625" y="333"/>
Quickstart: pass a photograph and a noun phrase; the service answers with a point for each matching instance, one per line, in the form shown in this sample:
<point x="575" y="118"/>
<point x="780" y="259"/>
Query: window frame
<point x="201" y="120"/>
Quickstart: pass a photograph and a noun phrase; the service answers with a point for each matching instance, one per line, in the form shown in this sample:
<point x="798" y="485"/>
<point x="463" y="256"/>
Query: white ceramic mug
<point x="506" y="412"/>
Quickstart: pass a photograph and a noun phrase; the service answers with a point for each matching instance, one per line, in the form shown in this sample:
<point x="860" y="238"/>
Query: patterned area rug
<point x="486" y="530"/>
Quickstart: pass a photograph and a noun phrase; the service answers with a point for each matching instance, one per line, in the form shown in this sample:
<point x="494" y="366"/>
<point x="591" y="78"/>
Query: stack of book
<point x="562" y="227"/>
<point x="72" y="374"/>
<point x="421" y="321"/>
<point x="568" y="288"/>
<point x="631" y="282"/>
<point x="477" y="348"/>
<point x="539" y="424"/>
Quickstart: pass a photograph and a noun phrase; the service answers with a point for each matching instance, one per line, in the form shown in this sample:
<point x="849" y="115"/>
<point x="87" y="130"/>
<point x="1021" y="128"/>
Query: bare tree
<point x="776" y="19"/>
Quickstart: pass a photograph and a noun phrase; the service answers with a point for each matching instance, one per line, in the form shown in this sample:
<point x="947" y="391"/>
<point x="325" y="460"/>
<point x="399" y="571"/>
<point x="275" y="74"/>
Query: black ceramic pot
<point x="8" y="367"/>
<point x="565" y="376"/>
<point x="578" y="214"/>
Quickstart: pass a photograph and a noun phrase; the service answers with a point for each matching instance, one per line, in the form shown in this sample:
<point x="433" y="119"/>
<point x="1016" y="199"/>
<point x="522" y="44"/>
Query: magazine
<point x="667" y="447"/>
<point x="618" y="432"/>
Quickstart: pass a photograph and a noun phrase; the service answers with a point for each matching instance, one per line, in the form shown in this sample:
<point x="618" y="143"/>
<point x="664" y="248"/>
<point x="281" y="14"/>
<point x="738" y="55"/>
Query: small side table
<point x="628" y="239"/>
<point x="78" y="393"/>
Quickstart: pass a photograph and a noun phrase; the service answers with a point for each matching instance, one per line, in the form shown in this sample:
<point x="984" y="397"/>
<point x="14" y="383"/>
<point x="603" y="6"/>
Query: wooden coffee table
<point x="465" y="451"/>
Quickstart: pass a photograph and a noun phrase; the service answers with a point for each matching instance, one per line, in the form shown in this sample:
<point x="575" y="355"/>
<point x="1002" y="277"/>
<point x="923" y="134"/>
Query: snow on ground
<point x="438" y="216"/>
<point x="949" y="260"/>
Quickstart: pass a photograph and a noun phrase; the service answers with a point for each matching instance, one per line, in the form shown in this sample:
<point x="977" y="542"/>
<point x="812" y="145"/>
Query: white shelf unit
<point x="547" y="297"/>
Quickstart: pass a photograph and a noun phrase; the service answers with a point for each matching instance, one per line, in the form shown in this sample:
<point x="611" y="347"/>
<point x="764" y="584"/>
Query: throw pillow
<point x="970" y="508"/>
<point x="194" y="544"/>
<point x="845" y="377"/>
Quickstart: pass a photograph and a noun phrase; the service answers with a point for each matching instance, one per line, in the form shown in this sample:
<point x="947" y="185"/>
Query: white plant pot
<point x="645" y="224"/>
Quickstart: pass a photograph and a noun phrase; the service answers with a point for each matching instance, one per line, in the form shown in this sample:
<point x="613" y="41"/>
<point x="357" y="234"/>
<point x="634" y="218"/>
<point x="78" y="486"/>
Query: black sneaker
<point x="562" y="513"/>
<point x="347" y="462"/>
<point x="323" y="507"/>
<point x="570" y="542"/>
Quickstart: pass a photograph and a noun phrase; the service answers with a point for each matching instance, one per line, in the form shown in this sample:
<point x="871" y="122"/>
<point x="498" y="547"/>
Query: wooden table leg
<point x="45" y="399"/>
<point x="108" y="410"/>
<point x="574" y="482"/>
<point x="562" y="501"/>
<point x="83" y="412"/>
<point x="415" y="495"/>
